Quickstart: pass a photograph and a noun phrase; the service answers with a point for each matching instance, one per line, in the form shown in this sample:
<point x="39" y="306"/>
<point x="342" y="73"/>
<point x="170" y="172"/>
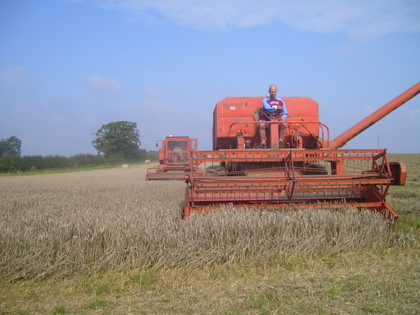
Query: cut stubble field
<point x="108" y="242"/>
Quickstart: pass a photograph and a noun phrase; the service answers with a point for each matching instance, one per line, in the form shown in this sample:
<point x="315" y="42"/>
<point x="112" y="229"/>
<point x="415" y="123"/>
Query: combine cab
<point x="174" y="158"/>
<point x="310" y="171"/>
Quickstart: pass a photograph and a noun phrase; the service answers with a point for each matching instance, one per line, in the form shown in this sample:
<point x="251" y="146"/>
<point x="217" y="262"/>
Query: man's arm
<point x="267" y="106"/>
<point x="285" y="114"/>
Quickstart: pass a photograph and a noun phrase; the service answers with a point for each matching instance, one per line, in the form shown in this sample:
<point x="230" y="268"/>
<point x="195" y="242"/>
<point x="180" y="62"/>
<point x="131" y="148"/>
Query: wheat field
<point x="108" y="242"/>
<point x="82" y="223"/>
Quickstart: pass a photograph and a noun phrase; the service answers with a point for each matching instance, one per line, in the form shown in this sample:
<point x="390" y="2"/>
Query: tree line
<point x="115" y="142"/>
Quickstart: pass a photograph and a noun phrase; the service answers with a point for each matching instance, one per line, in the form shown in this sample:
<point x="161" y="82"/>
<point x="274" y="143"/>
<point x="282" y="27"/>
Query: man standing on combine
<point x="274" y="108"/>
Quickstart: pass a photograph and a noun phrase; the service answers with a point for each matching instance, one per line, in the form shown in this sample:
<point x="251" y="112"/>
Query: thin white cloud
<point x="358" y="18"/>
<point x="97" y="83"/>
<point x="15" y="77"/>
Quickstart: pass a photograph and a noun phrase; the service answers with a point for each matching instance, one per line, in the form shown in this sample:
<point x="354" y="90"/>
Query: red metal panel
<point x="236" y="114"/>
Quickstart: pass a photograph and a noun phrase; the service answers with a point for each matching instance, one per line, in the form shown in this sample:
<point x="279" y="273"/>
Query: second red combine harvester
<point x="175" y="159"/>
<point x="311" y="171"/>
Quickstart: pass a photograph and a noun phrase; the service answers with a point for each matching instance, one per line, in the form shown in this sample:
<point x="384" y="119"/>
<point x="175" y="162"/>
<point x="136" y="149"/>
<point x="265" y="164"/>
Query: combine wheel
<point x="399" y="172"/>
<point x="215" y="171"/>
<point x="315" y="169"/>
<point x="235" y="169"/>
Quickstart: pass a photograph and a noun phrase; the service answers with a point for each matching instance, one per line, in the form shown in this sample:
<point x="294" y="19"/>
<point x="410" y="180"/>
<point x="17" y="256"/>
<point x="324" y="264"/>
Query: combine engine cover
<point x="235" y="124"/>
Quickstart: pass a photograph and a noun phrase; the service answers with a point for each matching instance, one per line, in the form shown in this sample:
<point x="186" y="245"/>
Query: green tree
<point x="10" y="146"/>
<point x="119" y="138"/>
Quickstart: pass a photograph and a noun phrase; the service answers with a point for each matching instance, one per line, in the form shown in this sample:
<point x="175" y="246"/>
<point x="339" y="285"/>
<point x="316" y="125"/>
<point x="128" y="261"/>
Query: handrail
<point x="322" y="127"/>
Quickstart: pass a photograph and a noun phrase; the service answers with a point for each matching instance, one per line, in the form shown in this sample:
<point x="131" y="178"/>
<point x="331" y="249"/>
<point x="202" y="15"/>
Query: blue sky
<point x="68" y="67"/>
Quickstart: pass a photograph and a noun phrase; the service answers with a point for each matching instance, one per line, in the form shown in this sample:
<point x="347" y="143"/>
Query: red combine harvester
<point x="310" y="171"/>
<point x="174" y="158"/>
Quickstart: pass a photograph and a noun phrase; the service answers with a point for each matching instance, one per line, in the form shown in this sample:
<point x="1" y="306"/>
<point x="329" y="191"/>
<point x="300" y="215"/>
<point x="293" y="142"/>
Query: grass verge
<point x="383" y="281"/>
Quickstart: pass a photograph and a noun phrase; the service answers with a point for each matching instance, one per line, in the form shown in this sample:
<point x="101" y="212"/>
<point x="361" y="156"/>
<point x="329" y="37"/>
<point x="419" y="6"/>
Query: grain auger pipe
<point x="352" y="132"/>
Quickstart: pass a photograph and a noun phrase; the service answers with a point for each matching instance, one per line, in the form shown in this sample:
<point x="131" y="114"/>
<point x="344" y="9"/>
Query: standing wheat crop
<point x="63" y="224"/>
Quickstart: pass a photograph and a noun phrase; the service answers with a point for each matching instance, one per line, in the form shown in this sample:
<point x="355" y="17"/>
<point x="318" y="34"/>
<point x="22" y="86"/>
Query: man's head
<point x="272" y="90"/>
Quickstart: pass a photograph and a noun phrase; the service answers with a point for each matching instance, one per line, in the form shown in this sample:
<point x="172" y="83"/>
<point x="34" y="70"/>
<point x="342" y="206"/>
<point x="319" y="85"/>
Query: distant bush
<point x="13" y="164"/>
<point x="81" y="160"/>
<point x="8" y="164"/>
